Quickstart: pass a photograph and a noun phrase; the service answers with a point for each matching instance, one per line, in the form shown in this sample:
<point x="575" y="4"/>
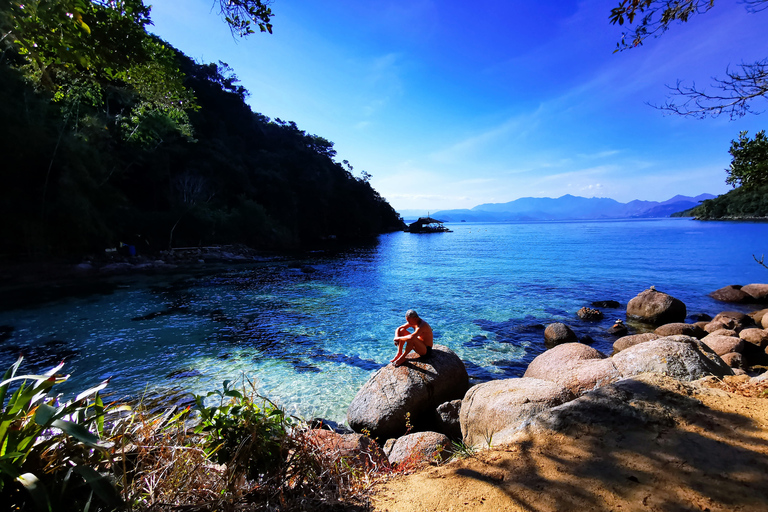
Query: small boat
<point x="427" y="225"/>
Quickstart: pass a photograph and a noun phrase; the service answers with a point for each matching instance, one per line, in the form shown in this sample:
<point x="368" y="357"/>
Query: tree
<point x="732" y="95"/>
<point x="749" y="167"/>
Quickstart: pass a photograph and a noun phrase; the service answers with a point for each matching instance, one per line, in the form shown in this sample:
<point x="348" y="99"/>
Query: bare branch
<point x="760" y="261"/>
<point x="731" y="95"/>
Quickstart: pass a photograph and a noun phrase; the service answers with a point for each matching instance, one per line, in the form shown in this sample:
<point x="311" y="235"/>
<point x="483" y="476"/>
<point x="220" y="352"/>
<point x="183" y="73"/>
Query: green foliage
<point x="242" y="434"/>
<point x="654" y="16"/>
<point x="749" y="167"/>
<point x="740" y="203"/>
<point x="38" y="435"/>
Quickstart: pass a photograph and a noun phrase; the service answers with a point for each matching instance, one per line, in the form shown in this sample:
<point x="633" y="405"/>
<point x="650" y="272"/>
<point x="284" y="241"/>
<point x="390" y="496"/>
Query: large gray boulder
<point x="420" y="447"/>
<point x="577" y="367"/>
<point x="681" y="357"/>
<point x="418" y="387"/>
<point x="656" y="308"/>
<point x="493" y="411"/>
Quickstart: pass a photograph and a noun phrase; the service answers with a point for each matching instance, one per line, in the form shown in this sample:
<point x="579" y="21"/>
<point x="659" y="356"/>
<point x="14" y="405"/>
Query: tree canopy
<point x="732" y="95"/>
<point x="749" y="167"/>
<point x="118" y="137"/>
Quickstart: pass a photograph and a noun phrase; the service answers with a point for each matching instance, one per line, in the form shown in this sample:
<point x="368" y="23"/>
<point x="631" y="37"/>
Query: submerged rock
<point x="558" y="333"/>
<point x="418" y="387"/>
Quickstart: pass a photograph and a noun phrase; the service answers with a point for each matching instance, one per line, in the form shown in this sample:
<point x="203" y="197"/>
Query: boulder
<point x="417" y="387"/>
<point x="733" y="359"/>
<point x="682" y="357"/>
<point x="571" y="366"/>
<point x="732" y="293"/>
<point x="755" y="336"/>
<point x="420" y="447"/>
<point x="679" y="328"/>
<point x="586" y="313"/>
<point x="625" y="342"/>
<point x="717" y="326"/>
<point x="610" y="304"/>
<point x="558" y="333"/>
<point x="759" y="292"/>
<point x="757" y="316"/>
<point x="734" y="320"/>
<point x="493" y="411"/>
<point x="725" y="332"/>
<point x="448" y="422"/>
<point x="723" y="344"/>
<point x="656" y="308"/>
<point x="700" y="317"/>
<point x="356" y="449"/>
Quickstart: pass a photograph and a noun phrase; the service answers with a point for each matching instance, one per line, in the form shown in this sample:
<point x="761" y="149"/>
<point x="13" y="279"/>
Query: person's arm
<point x="413" y="335"/>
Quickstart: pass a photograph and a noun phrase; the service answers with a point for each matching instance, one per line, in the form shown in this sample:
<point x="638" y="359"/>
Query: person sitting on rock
<point x="420" y="340"/>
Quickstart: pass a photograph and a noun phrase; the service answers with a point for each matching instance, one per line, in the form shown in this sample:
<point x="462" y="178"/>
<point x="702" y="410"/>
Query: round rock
<point x="732" y="293"/>
<point x="558" y="333"/>
<point x="723" y="344"/>
<point x="573" y="367"/>
<point x="418" y="387"/>
<point x="420" y="447"/>
<point x="755" y="336"/>
<point x="656" y="308"/>
<point x="758" y="291"/>
<point x="493" y="411"/>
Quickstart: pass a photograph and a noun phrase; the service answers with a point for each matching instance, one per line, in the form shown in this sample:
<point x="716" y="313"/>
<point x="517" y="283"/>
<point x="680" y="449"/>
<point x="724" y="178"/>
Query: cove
<point x="309" y="331"/>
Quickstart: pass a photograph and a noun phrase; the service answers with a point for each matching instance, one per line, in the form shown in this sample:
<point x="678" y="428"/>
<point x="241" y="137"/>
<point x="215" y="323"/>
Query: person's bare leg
<point x="416" y="345"/>
<point x="399" y="351"/>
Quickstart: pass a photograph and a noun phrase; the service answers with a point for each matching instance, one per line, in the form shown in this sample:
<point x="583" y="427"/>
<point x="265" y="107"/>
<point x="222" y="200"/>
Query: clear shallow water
<point x="310" y="332"/>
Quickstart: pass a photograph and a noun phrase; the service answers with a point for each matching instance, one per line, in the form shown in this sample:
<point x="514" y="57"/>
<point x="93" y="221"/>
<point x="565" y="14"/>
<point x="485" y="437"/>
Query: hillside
<point x="75" y="180"/>
<point x="739" y="203"/>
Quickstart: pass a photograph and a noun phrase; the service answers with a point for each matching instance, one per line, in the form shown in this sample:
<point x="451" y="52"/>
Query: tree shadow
<point x="646" y="443"/>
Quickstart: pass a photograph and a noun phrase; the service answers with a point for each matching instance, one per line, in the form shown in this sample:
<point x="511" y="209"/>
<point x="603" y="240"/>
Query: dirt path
<point x="675" y="448"/>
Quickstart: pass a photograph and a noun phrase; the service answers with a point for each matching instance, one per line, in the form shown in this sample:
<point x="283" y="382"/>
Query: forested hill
<point x="739" y="203"/>
<point x="101" y="167"/>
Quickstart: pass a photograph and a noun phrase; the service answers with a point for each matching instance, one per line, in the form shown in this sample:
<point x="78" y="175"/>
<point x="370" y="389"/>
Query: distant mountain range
<point x="567" y="207"/>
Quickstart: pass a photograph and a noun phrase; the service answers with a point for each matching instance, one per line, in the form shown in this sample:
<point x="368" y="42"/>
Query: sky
<point x="452" y="104"/>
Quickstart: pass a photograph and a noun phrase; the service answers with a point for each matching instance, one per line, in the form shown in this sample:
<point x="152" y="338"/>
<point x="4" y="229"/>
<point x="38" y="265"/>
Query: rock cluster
<point x="434" y="391"/>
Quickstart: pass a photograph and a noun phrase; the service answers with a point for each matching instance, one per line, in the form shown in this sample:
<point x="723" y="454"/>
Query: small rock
<point x="558" y="333"/>
<point x="610" y="304"/>
<point x="725" y="332"/>
<point x="734" y="320"/>
<point x="586" y="313"/>
<point x="356" y="449"/>
<point x="723" y="344"/>
<point x="755" y="336"/>
<point x="448" y="422"/>
<point x="420" y="447"/>
<point x="733" y="359"/>
<point x="757" y="316"/>
<point x="618" y="328"/>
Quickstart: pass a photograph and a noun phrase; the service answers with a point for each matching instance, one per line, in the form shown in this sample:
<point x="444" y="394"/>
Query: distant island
<point x="567" y="207"/>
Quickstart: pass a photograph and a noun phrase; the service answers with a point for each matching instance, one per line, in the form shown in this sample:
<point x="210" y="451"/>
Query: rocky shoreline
<point x="425" y="410"/>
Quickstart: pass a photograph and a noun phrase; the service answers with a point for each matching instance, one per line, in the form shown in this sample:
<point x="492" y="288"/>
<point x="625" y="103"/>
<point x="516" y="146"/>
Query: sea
<point x="307" y="331"/>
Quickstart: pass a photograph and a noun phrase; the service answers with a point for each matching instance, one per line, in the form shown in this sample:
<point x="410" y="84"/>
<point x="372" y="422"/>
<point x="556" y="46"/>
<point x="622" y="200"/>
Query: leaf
<point x="101" y="486"/>
<point x="81" y="433"/>
<point x="36" y="489"/>
<point x="91" y="391"/>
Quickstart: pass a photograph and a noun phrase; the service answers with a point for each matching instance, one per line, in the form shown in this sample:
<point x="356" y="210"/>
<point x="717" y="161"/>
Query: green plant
<point x="40" y="437"/>
<point x="462" y="450"/>
<point x="247" y="437"/>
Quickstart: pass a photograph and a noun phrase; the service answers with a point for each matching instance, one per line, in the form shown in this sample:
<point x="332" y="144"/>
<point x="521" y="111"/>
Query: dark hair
<point x="411" y="313"/>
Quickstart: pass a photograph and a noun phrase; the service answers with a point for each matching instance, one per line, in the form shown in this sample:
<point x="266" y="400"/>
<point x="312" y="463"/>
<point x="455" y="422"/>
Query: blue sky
<point x="452" y="104"/>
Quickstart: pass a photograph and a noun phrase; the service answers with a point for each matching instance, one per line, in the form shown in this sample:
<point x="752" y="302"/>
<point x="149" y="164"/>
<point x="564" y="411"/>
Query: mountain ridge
<point x="570" y="207"/>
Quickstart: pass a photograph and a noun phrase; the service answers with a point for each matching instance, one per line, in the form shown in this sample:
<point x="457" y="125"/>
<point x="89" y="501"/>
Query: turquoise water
<point x="310" y="331"/>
